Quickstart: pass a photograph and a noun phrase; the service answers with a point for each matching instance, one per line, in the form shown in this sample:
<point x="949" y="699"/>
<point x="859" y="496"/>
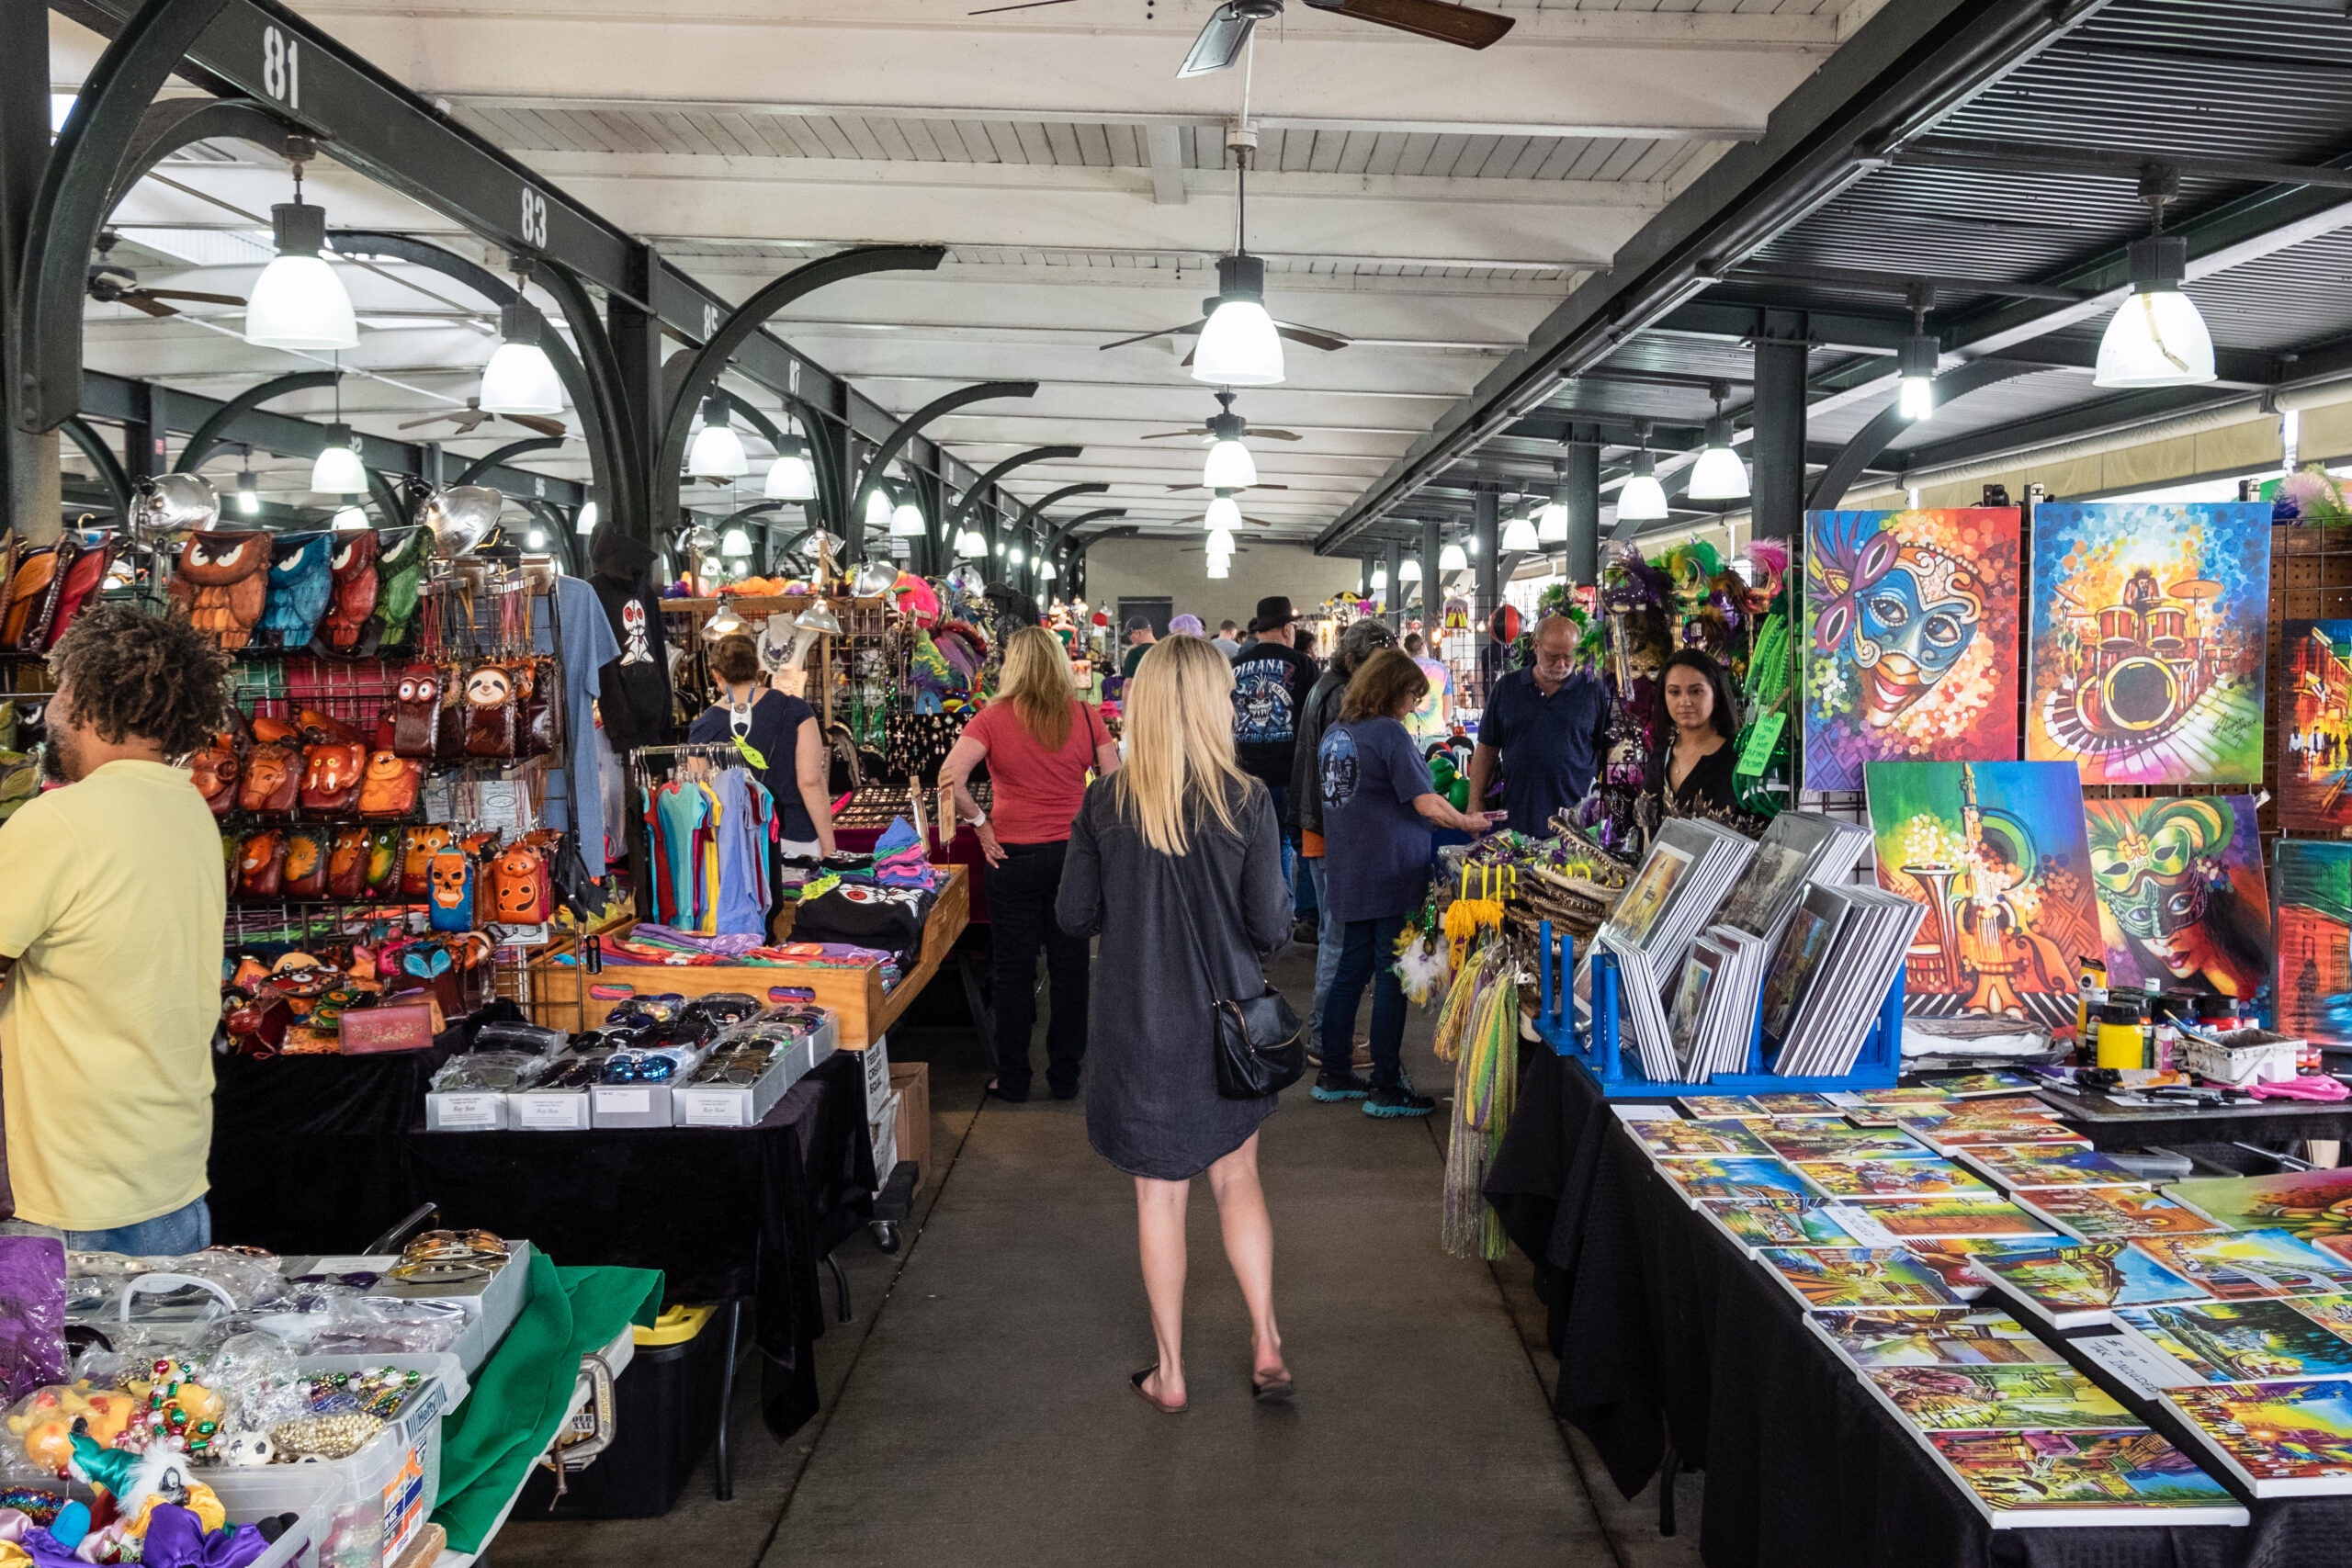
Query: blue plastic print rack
<point x="1617" y="1073"/>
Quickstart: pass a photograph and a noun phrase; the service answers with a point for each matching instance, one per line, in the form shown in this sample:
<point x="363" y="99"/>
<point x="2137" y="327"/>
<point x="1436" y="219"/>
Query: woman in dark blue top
<point x="783" y="731"/>
<point x="1378" y="806"/>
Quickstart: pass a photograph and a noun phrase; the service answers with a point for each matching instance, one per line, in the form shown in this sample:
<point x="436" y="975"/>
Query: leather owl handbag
<point x="331" y="771"/>
<point x="77" y="584"/>
<point x="218" y="770"/>
<point x="521" y="892"/>
<point x="416" y="712"/>
<point x="391" y="785"/>
<point x="450" y="905"/>
<point x="535" y="713"/>
<point x="223" y="583"/>
<point x="383" y="872"/>
<point x="348" y="864"/>
<point x="261" y="864"/>
<point x="32" y="597"/>
<point x="300" y="584"/>
<point x="488" y="707"/>
<point x="304" y="874"/>
<point x="352" y="561"/>
<point x="417" y="849"/>
<point x="273" y="778"/>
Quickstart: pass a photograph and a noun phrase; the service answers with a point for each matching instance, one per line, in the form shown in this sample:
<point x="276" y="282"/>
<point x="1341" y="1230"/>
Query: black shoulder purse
<point x="1259" y="1043"/>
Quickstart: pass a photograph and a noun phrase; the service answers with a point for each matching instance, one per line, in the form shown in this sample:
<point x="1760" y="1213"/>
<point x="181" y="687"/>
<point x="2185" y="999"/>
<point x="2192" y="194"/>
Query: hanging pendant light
<point x="1642" y="499"/>
<point x="789" y="476"/>
<point x="718" y="451"/>
<point x="1380" y="579"/>
<point x="1916" y="361"/>
<point x="337" y="470"/>
<point x="535" y="539"/>
<point x="1219" y="567"/>
<point x="1239" y="347"/>
<point x="1223" y="513"/>
<point x="1230" y="465"/>
<point x="1718" y="475"/>
<point x="2156" y="337"/>
<point x="248" y="498"/>
<point x="1519" y="535"/>
<point x="520" y="377"/>
<point x="738" y="542"/>
<point x="1221" y="542"/>
<point x="1046" y="572"/>
<point x="586" y="522"/>
<point x="970" y="542"/>
<point x="905" y="519"/>
<point x="349" y="518"/>
<point x="1552" y="520"/>
<point x="298" y="302"/>
<point x="1012" y="556"/>
<point x="1452" y="558"/>
<point x="1409" y="570"/>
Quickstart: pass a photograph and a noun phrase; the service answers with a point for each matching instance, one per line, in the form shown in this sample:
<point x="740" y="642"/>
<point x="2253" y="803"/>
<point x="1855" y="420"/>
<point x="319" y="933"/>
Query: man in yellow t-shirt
<point x="111" y="903"/>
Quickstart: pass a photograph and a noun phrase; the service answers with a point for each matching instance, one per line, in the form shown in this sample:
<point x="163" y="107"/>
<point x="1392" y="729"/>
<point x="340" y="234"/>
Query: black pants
<point x="1020" y="921"/>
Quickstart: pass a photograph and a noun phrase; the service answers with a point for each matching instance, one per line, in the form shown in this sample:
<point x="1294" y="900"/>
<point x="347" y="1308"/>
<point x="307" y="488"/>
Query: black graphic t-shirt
<point x="1270" y="685"/>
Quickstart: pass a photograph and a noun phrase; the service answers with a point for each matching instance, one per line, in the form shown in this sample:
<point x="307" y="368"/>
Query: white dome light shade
<point x="1718" y="475"/>
<point x="1238" y="345"/>
<point x="338" y="470"/>
<point x="248" y="498"/>
<point x="1916" y="362"/>
<point x="1519" y="534"/>
<point x="349" y="518"/>
<point x="1046" y="572"/>
<point x="1551" y="524"/>
<point x="789" y="476"/>
<point x="537" y="539"/>
<point x="738" y="542"/>
<point x="1223" y="513"/>
<point x="298" y="301"/>
<point x="1230" y="467"/>
<point x="1643" y="499"/>
<point x="586" y="522"/>
<point x="971" y="542"/>
<point x="999" y="549"/>
<point x="878" y="508"/>
<point x="1219" y="567"/>
<point x="1918" y="397"/>
<point x="1409" y="570"/>
<point x="905" y="521"/>
<point x="520" y="377"/>
<point x="1452" y="558"/>
<point x="1380" y="579"/>
<point x="2157" y="338"/>
<point x="718" y="451"/>
<point x="1012" y="556"/>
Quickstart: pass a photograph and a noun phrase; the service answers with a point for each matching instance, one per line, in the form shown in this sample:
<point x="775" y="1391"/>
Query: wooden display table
<point x="865" y="1009"/>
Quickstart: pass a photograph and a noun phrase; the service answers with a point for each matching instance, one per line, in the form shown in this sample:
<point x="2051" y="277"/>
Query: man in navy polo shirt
<point x="1547" y="727"/>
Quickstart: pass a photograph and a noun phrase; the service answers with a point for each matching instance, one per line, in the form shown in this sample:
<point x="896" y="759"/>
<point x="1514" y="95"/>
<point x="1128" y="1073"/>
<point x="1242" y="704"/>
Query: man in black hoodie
<point x="634" y="689"/>
<point x="1357" y="643"/>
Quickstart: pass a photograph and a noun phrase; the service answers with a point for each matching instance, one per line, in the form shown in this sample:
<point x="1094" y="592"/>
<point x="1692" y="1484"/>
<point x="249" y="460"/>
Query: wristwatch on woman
<point x="980" y="821"/>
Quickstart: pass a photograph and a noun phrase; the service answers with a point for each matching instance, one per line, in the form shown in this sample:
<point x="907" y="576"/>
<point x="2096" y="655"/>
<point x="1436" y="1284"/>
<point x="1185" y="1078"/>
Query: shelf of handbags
<point x="44" y="587"/>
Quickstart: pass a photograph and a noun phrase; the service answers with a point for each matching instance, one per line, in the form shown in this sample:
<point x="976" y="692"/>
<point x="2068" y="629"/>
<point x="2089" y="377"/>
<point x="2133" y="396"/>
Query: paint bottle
<point x="2122" y="1044"/>
<point x="2090" y="995"/>
<point x="2218" y="1014"/>
<point x="2164" y="1037"/>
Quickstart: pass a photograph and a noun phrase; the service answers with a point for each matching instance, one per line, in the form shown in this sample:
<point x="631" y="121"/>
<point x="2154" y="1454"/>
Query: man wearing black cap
<point x="1270" y="679"/>
<point x="1139" y="641"/>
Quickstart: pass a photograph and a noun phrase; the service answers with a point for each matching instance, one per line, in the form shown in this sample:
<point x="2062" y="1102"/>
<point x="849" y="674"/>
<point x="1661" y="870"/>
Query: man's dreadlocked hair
<point x="129" y="673"/>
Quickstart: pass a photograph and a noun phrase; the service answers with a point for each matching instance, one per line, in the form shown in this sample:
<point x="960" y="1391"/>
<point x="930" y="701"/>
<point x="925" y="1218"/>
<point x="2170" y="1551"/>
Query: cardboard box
<point x="884" y="1132"/>
<point x="910" y="1084"/>
<point x="876" y="1056"/>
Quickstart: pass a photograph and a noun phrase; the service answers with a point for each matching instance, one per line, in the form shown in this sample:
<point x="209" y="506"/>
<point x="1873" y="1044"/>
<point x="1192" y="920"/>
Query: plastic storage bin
<point x="665" y="1414"/>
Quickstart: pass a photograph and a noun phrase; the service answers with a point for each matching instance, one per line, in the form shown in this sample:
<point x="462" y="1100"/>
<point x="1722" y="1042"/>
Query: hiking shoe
<point x="1330" y="1090"/>
<point x="1397" y="1101"/>
<point x="1361" y="1060"/>
<point x="1304" y="930"/>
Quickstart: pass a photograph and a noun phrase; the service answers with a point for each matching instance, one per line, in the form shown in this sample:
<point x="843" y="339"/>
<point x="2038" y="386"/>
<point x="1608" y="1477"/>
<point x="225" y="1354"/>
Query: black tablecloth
<point x="319" y="1154"/>
<point x="1666" y="1332"/>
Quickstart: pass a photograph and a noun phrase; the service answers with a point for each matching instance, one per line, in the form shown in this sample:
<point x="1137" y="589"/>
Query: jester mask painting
<point x="1996" y="852"/>
<point x="1912" y="638"/>
<point x="2181" y="894"/>
<point x="2149" y="622"/>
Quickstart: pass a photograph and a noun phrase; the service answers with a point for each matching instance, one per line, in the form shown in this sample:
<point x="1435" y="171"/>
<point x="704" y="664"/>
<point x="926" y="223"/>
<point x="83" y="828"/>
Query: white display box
<point x="631" y="1105"/>
<point x="884" y="1132"/>
<point x="548" y="1111"/>
<point x="471" y="1110"/>
<point x="876" y="1056"/>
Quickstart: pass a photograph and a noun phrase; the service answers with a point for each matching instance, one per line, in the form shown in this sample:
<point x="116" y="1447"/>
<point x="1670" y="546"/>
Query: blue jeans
<point x="1367" y="955"/>
<point x="1290" y="849"/>
<point x="188" y="1229"/>
<point x="1326" y="945"/>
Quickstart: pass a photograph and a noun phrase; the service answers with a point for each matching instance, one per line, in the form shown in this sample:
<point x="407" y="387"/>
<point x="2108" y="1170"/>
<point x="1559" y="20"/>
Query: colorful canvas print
<point x="1835" y="1140"/>
<point x="1826" y="1277"/>
<point x="2313" y="878"/>
<point x="2313" y="1204"/>
<point x="1956" y="1258"/>
<point x="2117" y="1213"/>
<point x="2283" y="1438"/>
<point x="1755" y="1224"/>
<point x="1801" y="948"/>
<point x="1911" y="645"/>
<point x="2038" y="1397"/>
<point x="2043" y="1478"/>
<point x="1924" y="1219"/>
<point x="1955" y="1133"/>
<point x="1724" y="1108"/>
<point x="1933" y="1336"/>
<point x="1795" y="1105"/>
<point x="2150" y="625"/>
<point x="2233" y="1266"/>
<point x="2315" y="715"/>
<point x="1682" y="1140"/>
<point x="2028" y="1165"/>
<point x="1995" y="852"/>
<point x="1929" y="1178"/>
<point x="2182" y="901"/>
<point x="2243" y="1341"/>
<point x="2075" y="1287"/>
<point x="1980" y="1085"/>
<point x="1734" y="1177"/>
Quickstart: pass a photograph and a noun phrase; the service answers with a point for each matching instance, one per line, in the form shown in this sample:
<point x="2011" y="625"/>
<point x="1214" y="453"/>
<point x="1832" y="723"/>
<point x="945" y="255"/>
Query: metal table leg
<point x="726" y="1487"/>
<point x="841" y="1287"/>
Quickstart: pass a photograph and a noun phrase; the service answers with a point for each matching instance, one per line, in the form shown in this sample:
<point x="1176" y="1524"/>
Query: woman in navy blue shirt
<point x="784" y="732"/>
<point x="1378" y="806"/>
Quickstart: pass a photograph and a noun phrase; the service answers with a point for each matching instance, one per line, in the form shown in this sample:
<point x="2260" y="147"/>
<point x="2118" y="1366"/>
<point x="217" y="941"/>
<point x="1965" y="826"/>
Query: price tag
<point x="469" y="1109"/>
<point x="550" y="1111"/>
<point x="1858" y="1223"/>
<point x="624" y="1102"/>
<point x="714" y="1107"/>
<point x="2134" y="1362"/>
<point x="1759" y="750"/>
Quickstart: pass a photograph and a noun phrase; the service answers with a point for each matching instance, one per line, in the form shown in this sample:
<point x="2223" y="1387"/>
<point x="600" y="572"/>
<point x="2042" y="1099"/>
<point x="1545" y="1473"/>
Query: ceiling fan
<point x="1224" y="425"/>
<point x="112" y="285"/>
<point x="1230" y="25"/>
<point x="473" y="416"/>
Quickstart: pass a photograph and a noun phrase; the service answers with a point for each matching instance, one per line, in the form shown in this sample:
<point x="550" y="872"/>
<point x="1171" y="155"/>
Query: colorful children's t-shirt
<point x="1427" y="724"/>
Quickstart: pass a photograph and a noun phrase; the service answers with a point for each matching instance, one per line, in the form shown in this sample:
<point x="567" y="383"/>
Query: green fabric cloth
<point x="522" y="1393"/>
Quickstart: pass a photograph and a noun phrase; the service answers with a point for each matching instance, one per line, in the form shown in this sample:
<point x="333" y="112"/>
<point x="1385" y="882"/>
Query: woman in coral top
<point x="1041" y="745"/>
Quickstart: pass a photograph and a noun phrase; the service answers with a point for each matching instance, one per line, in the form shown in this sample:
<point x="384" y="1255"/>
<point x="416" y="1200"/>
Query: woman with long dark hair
<point x="1690" y="774"/>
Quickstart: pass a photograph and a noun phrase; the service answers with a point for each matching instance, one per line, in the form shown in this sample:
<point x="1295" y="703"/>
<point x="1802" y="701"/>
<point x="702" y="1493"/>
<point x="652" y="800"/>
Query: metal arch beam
<point x="981" y="486"/>
<point x="552" y="519"/>
<point x="1029" y="509"/>
<point x="175" y="123"/>
<point x="209" y="435"/>
<point x="76" y="195"/>
<point x="102" y="458"/>
<point x="387" y="498"/>
<point x="753" y="416"/>
<point x="1065" y="529"/>
<point x="939" y="407"/>
<point x="490" y="460"/>
<point x="701" y="370"/>
<point x="1870" y="440"/>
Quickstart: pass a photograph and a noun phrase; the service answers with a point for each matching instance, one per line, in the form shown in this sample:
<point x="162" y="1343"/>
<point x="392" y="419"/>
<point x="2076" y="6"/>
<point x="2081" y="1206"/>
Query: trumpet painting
<point x="2148" y="639"/>
<point x="1911" y="645"/>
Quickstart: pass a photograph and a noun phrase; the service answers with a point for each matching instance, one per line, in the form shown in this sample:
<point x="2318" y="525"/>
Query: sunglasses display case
<point x="746" y="1105"/>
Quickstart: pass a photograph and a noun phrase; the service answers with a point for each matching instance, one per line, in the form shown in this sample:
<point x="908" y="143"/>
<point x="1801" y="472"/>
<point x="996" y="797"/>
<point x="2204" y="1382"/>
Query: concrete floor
<point x="976" y="1411"/>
